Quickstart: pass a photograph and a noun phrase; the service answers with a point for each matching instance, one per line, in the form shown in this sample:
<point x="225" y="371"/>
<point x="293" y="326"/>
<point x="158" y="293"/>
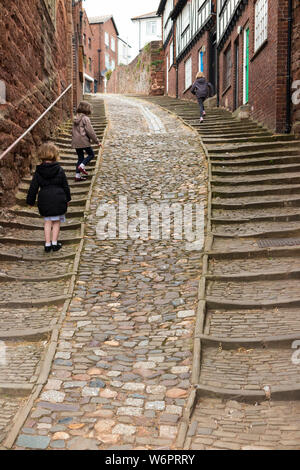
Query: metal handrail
<point x="12" y="146"/>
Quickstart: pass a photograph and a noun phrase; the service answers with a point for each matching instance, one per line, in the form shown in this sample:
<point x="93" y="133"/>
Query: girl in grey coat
<point x="202" y="89"/>
<point x="82" y="136"/>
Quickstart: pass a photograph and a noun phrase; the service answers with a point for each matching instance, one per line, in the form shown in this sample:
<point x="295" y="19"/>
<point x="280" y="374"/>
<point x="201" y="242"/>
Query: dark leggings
<point x="81" y="159"/>
<point x="201" y="104"/>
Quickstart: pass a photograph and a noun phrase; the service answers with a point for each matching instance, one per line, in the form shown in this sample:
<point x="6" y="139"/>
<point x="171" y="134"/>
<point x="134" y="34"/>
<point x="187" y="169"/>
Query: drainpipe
<point x="177" y="85"/>
<point x="289" y="67"/>
<point x="218" y="75"/>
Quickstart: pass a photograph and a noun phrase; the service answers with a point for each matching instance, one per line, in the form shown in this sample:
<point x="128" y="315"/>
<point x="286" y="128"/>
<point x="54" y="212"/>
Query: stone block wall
<point x="36" y="67"/>
<point x="145" y="74"/>
<point x="296" y="67"/>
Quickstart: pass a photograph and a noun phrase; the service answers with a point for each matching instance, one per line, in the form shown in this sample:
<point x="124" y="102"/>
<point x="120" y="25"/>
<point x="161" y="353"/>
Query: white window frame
<point x="151" y="28"/>
<point x="186" y="17"/>
<point x="167" y="21"/>
<point x="167" y="73"/>
<point x="261" y="23"/>
<point x="106" y="38"/>
<point x="107" y="61"/>
<point x="113" y="44"/>
<point x="188" y="73"/>
<point x="171" y="54"/>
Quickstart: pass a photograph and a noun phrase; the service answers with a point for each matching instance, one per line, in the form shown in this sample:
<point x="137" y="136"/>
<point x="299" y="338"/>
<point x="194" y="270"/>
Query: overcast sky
<point x="122" y="11"/>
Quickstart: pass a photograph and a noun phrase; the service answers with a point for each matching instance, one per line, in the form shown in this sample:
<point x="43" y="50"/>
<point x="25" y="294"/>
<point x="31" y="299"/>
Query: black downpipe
<point x="218" y="75"/>
<point x="289" y="67"/>
<point x="177" y="86"/>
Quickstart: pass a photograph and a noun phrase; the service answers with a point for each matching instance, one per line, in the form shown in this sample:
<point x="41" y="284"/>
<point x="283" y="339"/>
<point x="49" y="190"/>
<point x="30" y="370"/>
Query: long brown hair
<point x="49" y="152"/>
<point x="84" y="108"/>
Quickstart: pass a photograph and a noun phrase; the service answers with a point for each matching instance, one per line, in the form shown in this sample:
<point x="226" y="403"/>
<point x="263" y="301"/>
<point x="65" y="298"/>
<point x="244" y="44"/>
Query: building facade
<point x="248" y="49"/>
<point x="36" y="67"/>
<point x="104" y="48"/>
<point x="189" y="41"/>
<point x="253" y="59"/>
<point x="124" y="52"/>
<point x="77" y="49"/>
<point x="148" y="28"/>
<point x="295" y="112"/>
<point x="89" y="85"/>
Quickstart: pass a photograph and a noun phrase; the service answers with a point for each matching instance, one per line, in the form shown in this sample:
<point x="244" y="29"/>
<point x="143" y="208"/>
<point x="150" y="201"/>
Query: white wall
<point x="147" y="35"/>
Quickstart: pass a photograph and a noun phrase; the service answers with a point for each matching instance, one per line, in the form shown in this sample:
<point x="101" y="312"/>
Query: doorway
<point x="246" y="66"/>
<point x="237" y="75"/>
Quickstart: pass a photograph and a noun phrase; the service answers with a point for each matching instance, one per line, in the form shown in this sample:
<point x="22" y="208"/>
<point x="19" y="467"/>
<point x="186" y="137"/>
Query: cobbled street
<point x="121" y="376"/>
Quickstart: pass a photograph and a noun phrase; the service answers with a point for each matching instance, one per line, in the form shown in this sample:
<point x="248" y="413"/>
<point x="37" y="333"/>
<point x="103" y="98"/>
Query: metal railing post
<point x="12" y="146"/>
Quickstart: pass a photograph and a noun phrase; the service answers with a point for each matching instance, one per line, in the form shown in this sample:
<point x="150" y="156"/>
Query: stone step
<point x="280" y="145"/>
<point x="22" y="367"/>
<point x="255" y="170"/>
<point x="253" y="202"/>
<point x="239" y="163"/>
<point x="261" y="214"/>
<point x="29" y="323"/>
<point x="263" y="137"/>
<point x="34" y="270"/>
<point x="9" y="407"/>
<point x="73" y="212"/>
<point x="260" y="179"/>
<point x="228" y="424"/>
<point x="222" y="192"/>
<point x="26" y="252"/>
<point x="80" y="201"/>
<point x="246" y="138"/>
<point x="256" y="293"/>
<point x="248" y="369"/>
<point x="253" y="229"/>
<point x="16" y="292"/>
<point x="253" y="323"/>
<point x="257" y="265"/>
<point x="36" y="224"/>
<point x="257" y="155"/>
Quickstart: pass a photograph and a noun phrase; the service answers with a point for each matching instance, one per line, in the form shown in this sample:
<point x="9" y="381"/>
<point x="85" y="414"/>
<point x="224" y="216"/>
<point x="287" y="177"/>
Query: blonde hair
<point x="84" y="108"/>
<point x="49" y="151"/>
<point x="200" y="75"/>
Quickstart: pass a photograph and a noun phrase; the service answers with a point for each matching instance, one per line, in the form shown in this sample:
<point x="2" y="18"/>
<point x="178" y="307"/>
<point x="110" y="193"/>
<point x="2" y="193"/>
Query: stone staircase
<point x="248" y="388"/>
<point x="36" y="287"/>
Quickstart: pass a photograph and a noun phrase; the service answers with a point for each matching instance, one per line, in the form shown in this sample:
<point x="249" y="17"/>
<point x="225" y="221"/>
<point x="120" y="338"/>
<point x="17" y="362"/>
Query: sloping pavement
<point x="121" y="376"/>
<point x="36" y="288"/>
<point x="249" y="383"/>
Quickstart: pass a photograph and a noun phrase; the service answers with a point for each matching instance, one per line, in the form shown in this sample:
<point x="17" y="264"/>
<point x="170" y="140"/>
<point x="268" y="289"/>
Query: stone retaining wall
<point x="36" y="67"/>
<point x="144" y="75"/>
<point x="296" y="63"/>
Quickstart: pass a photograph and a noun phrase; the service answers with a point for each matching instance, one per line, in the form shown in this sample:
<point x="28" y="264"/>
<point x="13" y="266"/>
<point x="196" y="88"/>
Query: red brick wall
<point x="87" y="32"/>
<point x="194" y="53"/>
<point x="99" y="43"/>
<point x="296" y="65"/>
<point x="267" y="68"/>
<point x="77" y="55"/>
<point x="145" y="74"/>
<point x="172" y="70"/>
<point x="36" y="65"/>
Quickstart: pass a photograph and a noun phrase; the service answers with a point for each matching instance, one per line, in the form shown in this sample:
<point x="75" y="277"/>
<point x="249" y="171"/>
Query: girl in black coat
<point x="202" y="89"/>
<point x="51" y="185"/>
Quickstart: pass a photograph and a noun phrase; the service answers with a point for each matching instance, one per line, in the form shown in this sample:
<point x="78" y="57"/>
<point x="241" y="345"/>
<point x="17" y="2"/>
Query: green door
<point x="246" y="68"/>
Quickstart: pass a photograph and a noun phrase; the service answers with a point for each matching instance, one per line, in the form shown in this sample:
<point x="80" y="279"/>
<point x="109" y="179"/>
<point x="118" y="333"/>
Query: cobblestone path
<point x="248" y="386"/>
<point x="121" y="376"/>
<point x="35" y="289"/>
